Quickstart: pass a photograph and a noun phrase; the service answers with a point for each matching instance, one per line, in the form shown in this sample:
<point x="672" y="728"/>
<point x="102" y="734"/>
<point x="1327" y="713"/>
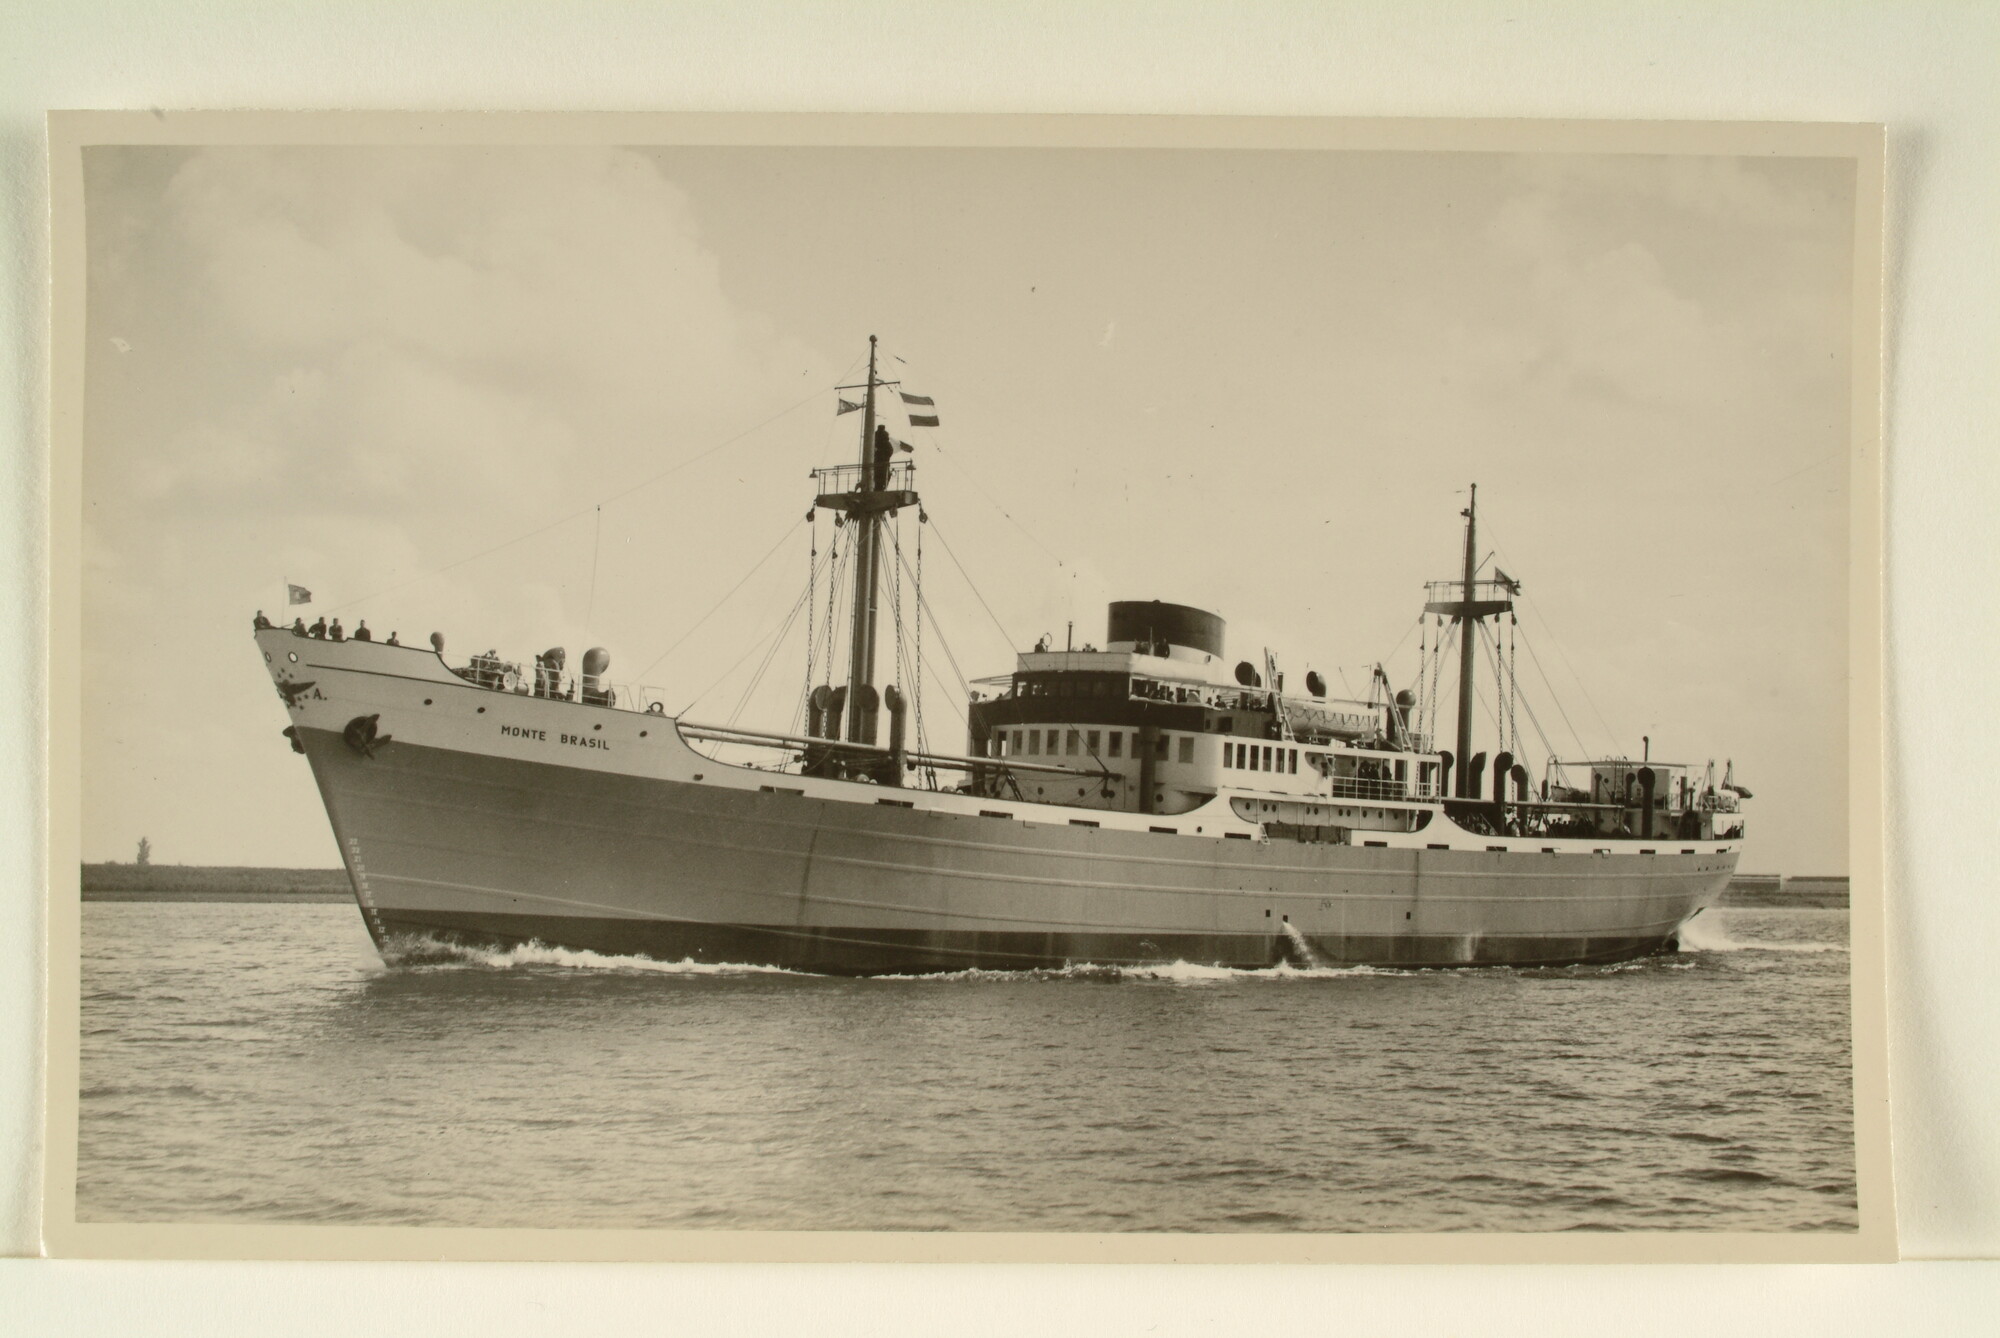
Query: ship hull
<point x="489" y="819"/>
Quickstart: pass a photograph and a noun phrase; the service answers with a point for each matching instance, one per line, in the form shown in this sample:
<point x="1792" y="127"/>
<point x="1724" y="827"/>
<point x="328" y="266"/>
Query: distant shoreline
<point x="196" y="882"/>
<point x="203" y="883"/>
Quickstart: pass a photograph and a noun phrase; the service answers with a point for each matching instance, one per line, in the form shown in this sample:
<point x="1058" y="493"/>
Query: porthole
<point x="482" y="710"/>
<point x="642" y="733"/>
<point x="267" y="657"/>
<point x="427" y="701"/>
<point x="597" y="727"/>
<point x="292" y="655"/>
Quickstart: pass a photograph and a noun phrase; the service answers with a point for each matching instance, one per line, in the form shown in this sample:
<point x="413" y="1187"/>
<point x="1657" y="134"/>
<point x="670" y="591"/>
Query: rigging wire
<point x="803" y="601"/>
<point x="1492" y="647"/>
<point x="585" y="510"/>
<point x="1555" y="641"/>
<point x="755" y="646"/>
<point x="924" y="608"/>
<point x="836" y="573"/>
<point x="986" y="493"/>
<point x="812" y="598"/>
<point x="922" y="520"/>
<point x="1011" y="642"/>
<point x="724" y="600"/>
<point x="1536" y="660"/>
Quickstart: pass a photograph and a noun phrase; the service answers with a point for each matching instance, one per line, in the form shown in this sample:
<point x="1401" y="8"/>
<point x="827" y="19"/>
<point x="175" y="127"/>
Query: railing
<point x="851" y="478"/>
<point x="1447" y="592"/>
<point x="1356" y="787"/>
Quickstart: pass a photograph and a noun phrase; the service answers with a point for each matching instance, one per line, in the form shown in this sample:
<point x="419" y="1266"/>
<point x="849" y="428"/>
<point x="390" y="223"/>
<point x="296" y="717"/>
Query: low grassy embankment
<point x="196" y="882"/>
<point x="1771" y="890"/>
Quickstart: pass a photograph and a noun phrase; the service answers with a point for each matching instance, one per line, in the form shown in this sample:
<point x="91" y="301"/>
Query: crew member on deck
<point x="335" y="631"/>
<point x="260" y="622"/>
<point x="298" y="627"/>
<point x="361" y="632"/>
<point x="318" y="630"/>
<point x="392" y="640"/>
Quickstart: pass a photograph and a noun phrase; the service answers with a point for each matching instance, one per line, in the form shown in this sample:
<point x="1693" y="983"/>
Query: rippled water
<point x="259" y="1062"/>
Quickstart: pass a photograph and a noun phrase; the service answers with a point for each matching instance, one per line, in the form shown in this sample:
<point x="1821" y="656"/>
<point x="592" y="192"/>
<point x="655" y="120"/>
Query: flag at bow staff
<point x="297" y="594"/>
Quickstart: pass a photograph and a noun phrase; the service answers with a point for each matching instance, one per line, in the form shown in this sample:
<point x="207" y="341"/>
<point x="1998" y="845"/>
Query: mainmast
<point x="1467" y="625"/>
<point x="1466" y="609"/>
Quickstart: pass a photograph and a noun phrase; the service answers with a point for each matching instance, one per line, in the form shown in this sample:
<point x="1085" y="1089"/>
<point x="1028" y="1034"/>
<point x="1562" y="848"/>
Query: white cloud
<point x="352" y="367"/>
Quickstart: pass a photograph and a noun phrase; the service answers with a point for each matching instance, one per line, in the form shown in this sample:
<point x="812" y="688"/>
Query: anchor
<point x="361" y="736"/>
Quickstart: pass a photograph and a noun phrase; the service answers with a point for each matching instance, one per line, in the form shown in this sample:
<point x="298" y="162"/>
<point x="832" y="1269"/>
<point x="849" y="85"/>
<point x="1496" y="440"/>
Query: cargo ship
<point x="1141" y="803"/>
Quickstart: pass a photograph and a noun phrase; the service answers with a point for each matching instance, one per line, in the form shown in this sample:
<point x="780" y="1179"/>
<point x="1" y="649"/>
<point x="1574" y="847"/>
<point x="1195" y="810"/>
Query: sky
<point x="570" y="396"/>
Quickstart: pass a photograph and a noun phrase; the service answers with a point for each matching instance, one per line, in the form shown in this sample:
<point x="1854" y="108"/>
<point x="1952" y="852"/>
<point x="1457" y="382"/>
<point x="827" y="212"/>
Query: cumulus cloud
<point x="351" y="367"/>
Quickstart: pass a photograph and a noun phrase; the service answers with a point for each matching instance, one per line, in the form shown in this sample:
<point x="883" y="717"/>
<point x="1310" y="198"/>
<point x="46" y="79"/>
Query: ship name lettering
<point x="515" y="731"/>
<point x="585" y="741"/>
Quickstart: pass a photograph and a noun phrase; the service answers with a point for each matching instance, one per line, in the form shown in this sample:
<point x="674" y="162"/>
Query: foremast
<point x="864" y="497"/>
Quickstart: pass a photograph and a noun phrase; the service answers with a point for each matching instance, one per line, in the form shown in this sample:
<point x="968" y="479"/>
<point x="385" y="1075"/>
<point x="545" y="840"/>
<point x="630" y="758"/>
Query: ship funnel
<point x="1153" y="627"/>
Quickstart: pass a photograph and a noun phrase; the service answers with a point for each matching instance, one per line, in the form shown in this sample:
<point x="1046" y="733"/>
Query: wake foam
<point x="1180" y="973"/>
<point x="1708" y="933"/>
<point x="419" y="952"/>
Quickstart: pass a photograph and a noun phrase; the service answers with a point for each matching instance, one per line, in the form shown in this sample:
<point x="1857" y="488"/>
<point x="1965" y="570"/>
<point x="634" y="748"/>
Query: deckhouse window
<point x="1292" y="762"/>
<point x="1034" y="741"/>
<point x="1090" y="743"/>
<point x="1161" y="751"/>
<point x="1187" y="747"/>
<point x="1117" y="743"/>
<point x="1075" y="740"/>
<point x="1017" y="742"/>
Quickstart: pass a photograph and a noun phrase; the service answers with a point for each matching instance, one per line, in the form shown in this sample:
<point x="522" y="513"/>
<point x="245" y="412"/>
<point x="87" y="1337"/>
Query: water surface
<point x="245" y="1062"/>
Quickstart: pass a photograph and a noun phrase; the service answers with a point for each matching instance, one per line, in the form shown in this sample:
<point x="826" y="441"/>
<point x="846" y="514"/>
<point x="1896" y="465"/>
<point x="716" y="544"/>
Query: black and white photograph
<point x="1212" y="682"/>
